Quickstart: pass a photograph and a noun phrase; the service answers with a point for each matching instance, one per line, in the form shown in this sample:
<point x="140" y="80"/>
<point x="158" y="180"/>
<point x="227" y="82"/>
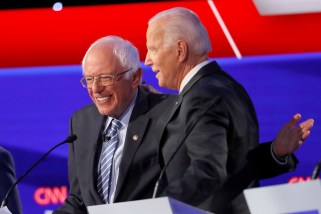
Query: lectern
<point x="303" y="198"/>
<point x="163" y="205"/>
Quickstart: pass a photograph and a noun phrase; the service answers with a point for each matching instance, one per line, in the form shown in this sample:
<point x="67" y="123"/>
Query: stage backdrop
<point x="37" y="103"/>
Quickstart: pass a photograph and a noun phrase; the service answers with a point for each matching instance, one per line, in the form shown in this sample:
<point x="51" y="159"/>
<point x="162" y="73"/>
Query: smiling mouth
<point x="103" y="99"/>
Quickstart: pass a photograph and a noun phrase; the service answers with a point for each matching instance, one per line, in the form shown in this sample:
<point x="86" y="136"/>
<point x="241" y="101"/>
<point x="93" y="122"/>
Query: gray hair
<point x="123" y="50"/>
<point x="182" y="23"/>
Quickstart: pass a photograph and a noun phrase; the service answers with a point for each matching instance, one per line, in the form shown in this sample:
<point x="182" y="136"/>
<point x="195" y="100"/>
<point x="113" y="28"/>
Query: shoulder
<point x="6" y="165"/>
<point x="5" y="156"/>
<point x="86" y="117"/>
<point x="86" y="110"/>
<point x="152" y="100"/>
<point x="211" y="84"/>
<point x="159" y="98"/>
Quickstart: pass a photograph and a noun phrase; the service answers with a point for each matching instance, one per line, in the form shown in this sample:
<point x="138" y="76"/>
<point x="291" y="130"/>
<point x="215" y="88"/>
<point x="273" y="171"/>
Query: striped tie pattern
<point x="106" y="161"/>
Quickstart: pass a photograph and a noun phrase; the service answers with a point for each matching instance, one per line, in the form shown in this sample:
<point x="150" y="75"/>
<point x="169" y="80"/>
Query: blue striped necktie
<point x="106" y="161"/>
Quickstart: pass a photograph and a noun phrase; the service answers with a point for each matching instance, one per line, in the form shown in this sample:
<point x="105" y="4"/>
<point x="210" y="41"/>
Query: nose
<point x="148" y="61"/>
<point x="97" y="87"/>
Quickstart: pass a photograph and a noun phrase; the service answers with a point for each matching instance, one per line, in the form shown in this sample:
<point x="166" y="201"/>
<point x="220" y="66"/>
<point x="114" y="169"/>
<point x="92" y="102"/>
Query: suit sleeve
<point x="74" y="202"/>
<point x="7" y="179"/>
<point x="265" y="166"/>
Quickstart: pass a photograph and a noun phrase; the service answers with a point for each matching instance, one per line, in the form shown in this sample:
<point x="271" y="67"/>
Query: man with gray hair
<point x="209" y="139"/>
<point x="113" y="158"/>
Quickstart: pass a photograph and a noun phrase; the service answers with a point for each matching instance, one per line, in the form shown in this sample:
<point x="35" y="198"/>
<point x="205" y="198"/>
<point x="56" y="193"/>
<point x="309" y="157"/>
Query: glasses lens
<point x="106" y="80"/>
<point x="87" y="82"/>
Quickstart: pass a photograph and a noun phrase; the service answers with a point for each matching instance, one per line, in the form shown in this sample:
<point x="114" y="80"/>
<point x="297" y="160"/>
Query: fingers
<point x="292" y="136"/>
<point x="294" y="120"/>
<point x="303" y="130"/>
<point x="299" y="144"/>
<point x="305" y="135"/>
<point x="306" y="125"/>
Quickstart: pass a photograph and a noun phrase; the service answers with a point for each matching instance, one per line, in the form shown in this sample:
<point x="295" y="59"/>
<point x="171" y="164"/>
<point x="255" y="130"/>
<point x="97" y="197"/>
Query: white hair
<point x="182" y="23"/>
<point x="123" y="50"/>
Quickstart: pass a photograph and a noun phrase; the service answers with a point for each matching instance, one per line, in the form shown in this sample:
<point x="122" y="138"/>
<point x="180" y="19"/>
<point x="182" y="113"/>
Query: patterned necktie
<point x="106" y="161"/>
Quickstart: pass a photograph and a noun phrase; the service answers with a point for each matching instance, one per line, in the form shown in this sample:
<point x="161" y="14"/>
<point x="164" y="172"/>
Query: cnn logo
<point x="50" y="195"/>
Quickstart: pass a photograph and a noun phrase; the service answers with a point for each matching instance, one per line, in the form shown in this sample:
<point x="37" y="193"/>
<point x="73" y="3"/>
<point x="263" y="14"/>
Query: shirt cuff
<point x="280" y="161"/>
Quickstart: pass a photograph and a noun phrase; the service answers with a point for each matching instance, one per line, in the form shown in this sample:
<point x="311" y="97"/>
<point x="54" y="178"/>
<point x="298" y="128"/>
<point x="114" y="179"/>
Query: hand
<point x="149" y="88"/>
<point x="291" y="137"/>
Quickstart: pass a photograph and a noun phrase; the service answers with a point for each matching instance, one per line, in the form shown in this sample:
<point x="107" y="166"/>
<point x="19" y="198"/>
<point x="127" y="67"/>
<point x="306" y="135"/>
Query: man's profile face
<point x="160" y="57"/>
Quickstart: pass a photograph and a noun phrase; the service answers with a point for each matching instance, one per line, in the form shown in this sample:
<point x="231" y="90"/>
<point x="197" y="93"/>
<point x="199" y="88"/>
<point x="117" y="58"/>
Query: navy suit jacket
<point x="7" y="179"/>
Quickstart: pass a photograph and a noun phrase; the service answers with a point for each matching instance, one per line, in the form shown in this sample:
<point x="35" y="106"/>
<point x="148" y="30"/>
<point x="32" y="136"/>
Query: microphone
<point x="190" y="128"/>
<point x="69" y="139"/>
<point x="106" y="138"/>
<point x="316" y="171"/>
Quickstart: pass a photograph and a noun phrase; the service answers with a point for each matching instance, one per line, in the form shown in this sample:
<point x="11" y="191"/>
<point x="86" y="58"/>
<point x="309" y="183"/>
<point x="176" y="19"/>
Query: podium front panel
<point x="285" y="198"/>
<point x="163" y="205"/>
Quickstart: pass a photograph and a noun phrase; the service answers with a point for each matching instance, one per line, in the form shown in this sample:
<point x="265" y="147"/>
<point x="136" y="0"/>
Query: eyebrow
<point x="98" y="74"/>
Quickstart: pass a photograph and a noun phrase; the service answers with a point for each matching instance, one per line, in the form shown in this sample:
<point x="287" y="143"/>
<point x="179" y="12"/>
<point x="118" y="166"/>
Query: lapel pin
<point x="135" y="137"/>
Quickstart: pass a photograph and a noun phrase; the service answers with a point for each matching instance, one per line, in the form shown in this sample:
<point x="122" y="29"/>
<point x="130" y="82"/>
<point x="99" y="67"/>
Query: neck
<point x="188" y="66"/>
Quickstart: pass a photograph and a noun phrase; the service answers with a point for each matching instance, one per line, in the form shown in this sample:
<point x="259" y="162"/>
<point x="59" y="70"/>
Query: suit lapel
<point x="206" y="70"/>
<point x="135" y="132"/>
<point x="174" y="102"/>
<point x="97" y="127"/>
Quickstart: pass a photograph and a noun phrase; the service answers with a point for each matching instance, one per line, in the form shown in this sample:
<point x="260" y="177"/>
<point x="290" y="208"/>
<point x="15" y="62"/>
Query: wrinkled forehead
<point x="155" y="34"/>
<point x="100" y="60"/>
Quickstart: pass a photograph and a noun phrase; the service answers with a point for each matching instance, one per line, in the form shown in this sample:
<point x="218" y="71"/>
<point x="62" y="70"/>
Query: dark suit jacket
<point x="207" y="140"/>
<point x="7" y="179"/>
<point x="139" y="167"/>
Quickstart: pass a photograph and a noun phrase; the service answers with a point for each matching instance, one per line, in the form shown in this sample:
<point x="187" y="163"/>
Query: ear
<point x="137" y="76"/>
<point x="182" y="50"/>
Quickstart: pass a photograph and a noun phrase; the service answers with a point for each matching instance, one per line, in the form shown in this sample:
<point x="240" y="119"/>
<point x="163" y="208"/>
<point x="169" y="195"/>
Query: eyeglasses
<point x="104" y="79"/>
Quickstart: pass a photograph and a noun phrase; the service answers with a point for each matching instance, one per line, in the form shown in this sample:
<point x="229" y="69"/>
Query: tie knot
<point x="115" y="125"/>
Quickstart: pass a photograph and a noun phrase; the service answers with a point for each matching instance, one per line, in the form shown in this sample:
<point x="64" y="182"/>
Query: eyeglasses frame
<point x="98" y="77"/>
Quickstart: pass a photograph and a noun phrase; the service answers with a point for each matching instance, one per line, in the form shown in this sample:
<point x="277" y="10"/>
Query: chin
<point x="103" y="111"/>
<point x="161" y="83"/>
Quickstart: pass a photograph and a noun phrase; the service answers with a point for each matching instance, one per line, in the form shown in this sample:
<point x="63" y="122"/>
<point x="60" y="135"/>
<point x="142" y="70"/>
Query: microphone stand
<point x="69" y="139"/>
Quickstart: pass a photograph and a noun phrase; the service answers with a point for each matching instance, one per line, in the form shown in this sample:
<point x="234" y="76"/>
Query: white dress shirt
<point x="124" y="119"/>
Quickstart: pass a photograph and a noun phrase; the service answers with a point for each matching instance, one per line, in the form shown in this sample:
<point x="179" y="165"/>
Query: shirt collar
<point x="124" y="118"/>
<point x="192" y="73"/>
